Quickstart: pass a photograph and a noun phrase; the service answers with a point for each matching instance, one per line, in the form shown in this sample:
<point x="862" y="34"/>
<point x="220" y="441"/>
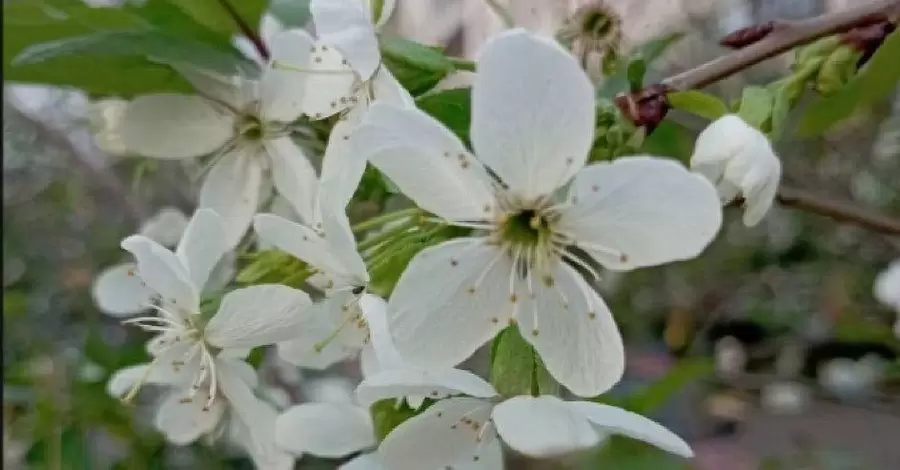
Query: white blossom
<point x="533" y="119"/>
<point x="104" y="117"/>
<point x="269" y="27"/>
<point x="887" y="290"/>
<point x="343" y="74"/>
<point x="246" y="420"/>
<point x="469" y="416"/>
<point x="340" y="324"/>
<point x="118" y="292"/>
<point x="244" y="124"/>
<point x="740" y="161"/>
<point x="785" y="397"/>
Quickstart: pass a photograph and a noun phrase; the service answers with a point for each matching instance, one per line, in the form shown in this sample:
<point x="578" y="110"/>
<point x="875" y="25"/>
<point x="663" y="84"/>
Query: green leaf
<point x="635" y="74"/>
<point x="670" y="139"/>
<point x="452" y="107"/>
<point x="387" y="415"/>
<point x="513" y="366"/>
<point x="291" y="13"/>
<point x="875" y="81"/>
<point x="617" y="82"/>
<point x="699" y="103"/>
<point x="156" y="46"/>
<point x="417" y="67"/>
<point x="756" y="106"/>
<point x="214" y="15"/>
<point x="780" y="110"/>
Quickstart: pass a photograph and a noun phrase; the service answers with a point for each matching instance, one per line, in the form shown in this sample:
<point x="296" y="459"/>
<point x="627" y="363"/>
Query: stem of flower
<point x="246" y="30"/>
<point x="839" y="211"/>
<point x="502" y="12"/>
<point x="380" y="238"/>
<point x="384" y="218"/>
<point x="462" y="64"/>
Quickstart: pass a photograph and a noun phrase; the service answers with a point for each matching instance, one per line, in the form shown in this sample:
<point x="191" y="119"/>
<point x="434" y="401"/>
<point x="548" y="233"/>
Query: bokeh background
<point x="786" y="296"/>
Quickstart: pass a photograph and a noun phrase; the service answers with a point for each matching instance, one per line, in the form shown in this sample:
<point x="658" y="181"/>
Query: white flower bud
<point x="741" y="163"/>
<point x="785" y="397"/>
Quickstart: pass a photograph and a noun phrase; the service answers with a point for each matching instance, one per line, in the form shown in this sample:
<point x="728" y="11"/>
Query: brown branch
<point x="839" y="211"/>
<point x="784" y="36"/>
<point x="246" y="30"/>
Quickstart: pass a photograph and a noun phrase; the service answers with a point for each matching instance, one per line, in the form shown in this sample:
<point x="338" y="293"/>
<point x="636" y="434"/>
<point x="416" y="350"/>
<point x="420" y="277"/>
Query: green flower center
<point x="251" y="128"/>
<point x="527" y="228"/>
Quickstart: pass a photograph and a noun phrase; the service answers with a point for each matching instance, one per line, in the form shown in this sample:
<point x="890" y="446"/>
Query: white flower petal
<point x="282" y="90"/>
<point x="347" y="25"/>
<point x="331" y="85"/>
<point x="610" y="419"/>
<point x="232" y="189"/>
<point x="202" y="246"/>
<point x="641" y="211"/>
<point x="339" y="235"/>
<point x="299" y="240"/>
<point x="222" y="273"/>
<point x="182" y="421"/>
<point x="257" y="316"/>
<point x="162" y="272"/>
<point x="122" y="380"/>
<point x="118" y="291"/>
<point x="329" y="430"/>
<point x="543" y="426"/>
<point x="384" y="354"/>
<point x="170" y="125"/>
<point x="330" y="333"/>
<point x="294" y="176"/>
<point x="887" y="285"/>
<point x="342" y="167"/>
<point x="165" y="227"/>
<point x="261" y="447"/>
<point x="573" y="331"/>
<point x="432" y="383"/>
<point x="445" y="434"/>
<point x="429" y="164"/>
<point x="532" y="113"/>
<point x="255" y="414"/>
<point x="387" y="89"/>
<point x="759" y="202"/>
<point x="451" y="299"/>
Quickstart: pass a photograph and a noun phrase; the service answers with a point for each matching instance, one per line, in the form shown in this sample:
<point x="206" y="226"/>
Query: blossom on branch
<point x="541" y="215"/>
<point x="740" y="161"/>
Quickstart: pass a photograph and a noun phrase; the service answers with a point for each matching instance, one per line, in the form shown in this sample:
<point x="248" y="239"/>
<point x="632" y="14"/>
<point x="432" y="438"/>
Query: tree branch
<point x="839" y="211"/>
<point x="784" y="36"/>
<point x="246" y="30"/>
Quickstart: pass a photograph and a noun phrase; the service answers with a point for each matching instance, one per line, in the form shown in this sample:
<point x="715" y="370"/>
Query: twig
<point x="784" y="36"/>
<point x="839" y="211"/>
<point x="246" y="30"/>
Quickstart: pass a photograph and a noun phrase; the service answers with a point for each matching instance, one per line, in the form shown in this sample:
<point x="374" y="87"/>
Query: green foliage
<point x="624" y="453"/>
<point x="756" y="106"/>
<point x="699" y="103"/>
<point x="214" y="15"/>
<point x="114" y="51"/>
<point x="417" y="67"/>
<point x="388" y="414"/>
<point x="273" y="266"/>
<point x="291" y="13"/>
<point x="513" y="364"/>
<point x="629" y="71"/>
<point x="452" y="107"/>
<point x="875" y="81"/>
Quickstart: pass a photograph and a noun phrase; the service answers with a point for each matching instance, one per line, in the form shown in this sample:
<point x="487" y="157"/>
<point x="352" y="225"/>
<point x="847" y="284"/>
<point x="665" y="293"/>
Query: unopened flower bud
<point x="739" y="160"/>
<point x="837" y="70"/>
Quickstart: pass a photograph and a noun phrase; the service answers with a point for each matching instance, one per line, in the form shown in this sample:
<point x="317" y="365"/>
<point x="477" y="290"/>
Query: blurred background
<point x="767" y="352"/>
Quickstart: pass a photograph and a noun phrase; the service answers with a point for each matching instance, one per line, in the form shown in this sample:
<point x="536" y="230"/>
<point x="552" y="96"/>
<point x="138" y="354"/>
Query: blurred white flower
<point x="887" y="290"/>
<point x="244" y="124"/>
<point x="105" y="117"/>
<point x="848" y="379"/>
<point x="248" y="421"/>
<point x="785" y="397"/>
<point x="532" y="127"/>
<point x="342" y="73"/>
<point x="730" y="357"/>
<point x="740" y="161"/>
<point x="341" y="327"/>
<point x="118" y="292"/>
<point x="464" y="424"/>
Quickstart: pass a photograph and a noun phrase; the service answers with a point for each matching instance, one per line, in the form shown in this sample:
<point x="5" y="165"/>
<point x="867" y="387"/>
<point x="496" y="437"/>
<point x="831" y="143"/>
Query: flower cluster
<point x="535" y="223"/>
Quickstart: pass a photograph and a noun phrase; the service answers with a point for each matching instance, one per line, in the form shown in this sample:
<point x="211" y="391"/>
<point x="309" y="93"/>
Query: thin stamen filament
<point x="278" y="64"/>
